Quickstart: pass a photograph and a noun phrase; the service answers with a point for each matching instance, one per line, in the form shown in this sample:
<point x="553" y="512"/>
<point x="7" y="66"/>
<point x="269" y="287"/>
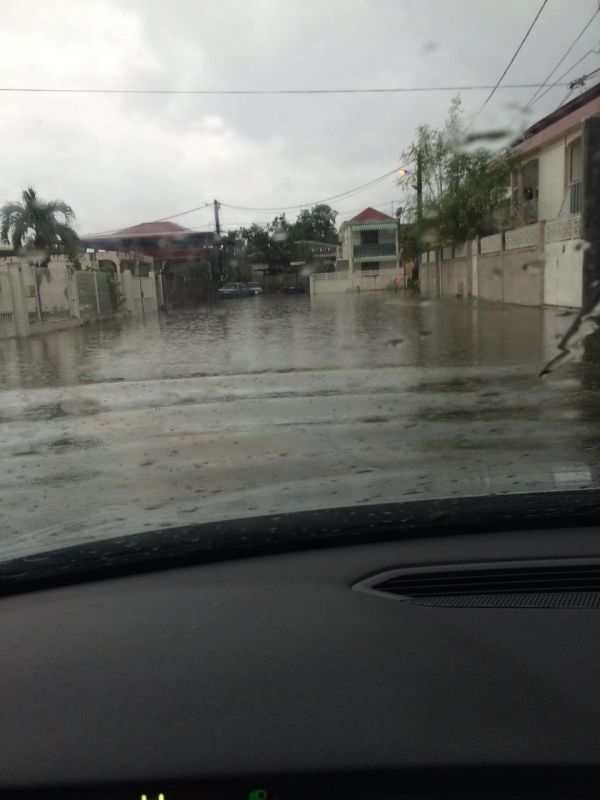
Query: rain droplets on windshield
<point x="312" y="257"/>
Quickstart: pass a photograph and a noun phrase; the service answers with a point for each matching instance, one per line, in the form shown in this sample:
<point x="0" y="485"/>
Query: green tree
<point x="235" y="261"/>
<point x="474" y="196"/>
<point x="257" y="241"/>
<point x="316" y="224"/>
<point x="39" y="225"/>
<point x="275" y="243"/>
<point x="463" y="190"/>
<point x="272" y="243"/>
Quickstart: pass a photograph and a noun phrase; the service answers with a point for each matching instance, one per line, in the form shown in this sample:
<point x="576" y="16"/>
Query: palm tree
<point x="35" y="224"/>
<point x="43" y="229"/>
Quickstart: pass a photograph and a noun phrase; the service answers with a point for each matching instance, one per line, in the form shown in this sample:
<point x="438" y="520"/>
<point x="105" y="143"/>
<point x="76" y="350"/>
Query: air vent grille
<point x="571" y="583"/>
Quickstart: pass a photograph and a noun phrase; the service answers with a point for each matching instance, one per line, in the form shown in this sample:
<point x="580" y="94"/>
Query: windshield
<point x="401" y="201"/>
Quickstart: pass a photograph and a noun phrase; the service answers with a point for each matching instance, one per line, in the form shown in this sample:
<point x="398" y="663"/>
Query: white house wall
<point x="551" y="180"/>
<point x="346" y="240"/>
<point x="563" y="273"/>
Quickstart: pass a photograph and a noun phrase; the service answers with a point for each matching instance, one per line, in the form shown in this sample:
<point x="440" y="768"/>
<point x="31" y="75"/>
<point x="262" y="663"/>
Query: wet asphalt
<point x="273" y="404"/>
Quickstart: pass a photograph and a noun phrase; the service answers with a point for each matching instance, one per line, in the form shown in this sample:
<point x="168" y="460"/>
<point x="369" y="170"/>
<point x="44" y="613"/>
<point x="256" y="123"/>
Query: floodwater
<point x="271" y="404"/>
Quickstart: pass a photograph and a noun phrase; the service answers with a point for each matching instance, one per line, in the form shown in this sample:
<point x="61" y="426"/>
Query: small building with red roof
<point x="180" y="256"/>
<point x="369" y="257"/>
<point x="369" y="242"/>
<point x="166" y="242"/>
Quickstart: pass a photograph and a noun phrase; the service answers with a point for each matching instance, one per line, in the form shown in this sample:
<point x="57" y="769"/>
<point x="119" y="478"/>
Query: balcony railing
<point x="515" y="214"/>
<point x="528" y="210"/>
<point x="374" y="250"/>
<point x="575" y="195"/>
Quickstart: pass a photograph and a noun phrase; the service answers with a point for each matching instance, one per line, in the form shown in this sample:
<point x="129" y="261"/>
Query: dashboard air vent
<point x="565" y="583"/>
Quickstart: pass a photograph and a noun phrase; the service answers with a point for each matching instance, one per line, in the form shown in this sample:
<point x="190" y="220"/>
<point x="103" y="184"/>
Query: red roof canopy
<point x="371" y="215"/>
<point x="153" y="229"/>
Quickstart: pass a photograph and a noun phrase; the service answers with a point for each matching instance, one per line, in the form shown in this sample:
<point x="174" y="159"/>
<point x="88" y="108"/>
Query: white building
<point x="369" y="256"/>
<point x="547" y="205"/>
<point x="549" y="183"/>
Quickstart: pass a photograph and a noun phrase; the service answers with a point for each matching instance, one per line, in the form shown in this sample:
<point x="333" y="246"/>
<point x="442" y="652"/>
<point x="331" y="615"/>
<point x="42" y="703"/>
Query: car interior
<point x="416" y="652"/>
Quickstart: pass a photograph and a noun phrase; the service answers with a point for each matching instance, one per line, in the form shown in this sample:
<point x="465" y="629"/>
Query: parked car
<point x="255" y="287"/>
<point x="230" y="290"/>
<point x="293" y="288"/>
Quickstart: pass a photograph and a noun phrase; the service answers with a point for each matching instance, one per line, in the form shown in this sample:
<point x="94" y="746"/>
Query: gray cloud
<point x="122" y="159"/>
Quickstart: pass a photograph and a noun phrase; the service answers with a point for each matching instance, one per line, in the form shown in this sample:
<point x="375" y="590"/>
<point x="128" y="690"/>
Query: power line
<point x="577" y="38"/>
<point x="516" y="53"/>
<point x="340" y="214"/>
<point x="350" y="192"/>
<point x="579" y="82"/>
<point x="161" y="219"/>
<point x="347" y="194"/>
<point x="509" y="65"/>
<point x="183" y="213"/>
<point x="544" y="93"/>
<point x="372" y="90"/>
<point x="565" y="73"/>
<point x="585" y="77"/>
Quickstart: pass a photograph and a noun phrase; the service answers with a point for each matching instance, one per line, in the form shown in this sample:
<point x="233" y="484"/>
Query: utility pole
<point x="217" y="206"/>
<point x="419" y="188"/>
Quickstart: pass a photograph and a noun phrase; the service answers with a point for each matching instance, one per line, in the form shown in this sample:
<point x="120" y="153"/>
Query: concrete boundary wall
<point x="525" y="266"/>
<point x="365" y="281"/>
<point x="34" y="301"/>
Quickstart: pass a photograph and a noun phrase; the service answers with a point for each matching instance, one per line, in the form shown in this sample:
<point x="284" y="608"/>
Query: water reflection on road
<point x="267" y="404"/>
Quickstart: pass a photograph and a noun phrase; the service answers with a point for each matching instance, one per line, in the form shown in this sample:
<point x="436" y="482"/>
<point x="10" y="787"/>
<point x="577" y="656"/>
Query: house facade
<point x="368" y="256"/>
<point x="180" y="256"/>
<point x="549" y="182"/>
<point x="538" y="256"/>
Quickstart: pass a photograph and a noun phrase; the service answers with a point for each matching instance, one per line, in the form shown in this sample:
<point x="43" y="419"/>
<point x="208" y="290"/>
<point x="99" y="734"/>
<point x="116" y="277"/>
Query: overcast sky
<point x="123" y="159"/>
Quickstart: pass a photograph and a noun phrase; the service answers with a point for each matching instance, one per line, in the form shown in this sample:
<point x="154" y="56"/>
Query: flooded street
<point x="273" y="404"/>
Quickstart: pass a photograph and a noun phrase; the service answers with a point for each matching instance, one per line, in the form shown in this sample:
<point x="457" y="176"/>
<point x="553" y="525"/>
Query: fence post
<point x="128" y="290"/>
<point x="75" y="307"/>
<point x="475" y="266"/>
<point x="468" y="261"/>
<point x="541" y="237"/>
<point x="19" y="303"/>
<point x="94" y="273"/>
<point x="38" y="299"/>
<point x="160" y="298"/>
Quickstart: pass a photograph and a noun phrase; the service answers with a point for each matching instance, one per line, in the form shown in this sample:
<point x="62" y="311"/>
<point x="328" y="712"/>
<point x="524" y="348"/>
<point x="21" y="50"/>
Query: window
<point x="575" y="161"/>
<point x="369" y="237"/>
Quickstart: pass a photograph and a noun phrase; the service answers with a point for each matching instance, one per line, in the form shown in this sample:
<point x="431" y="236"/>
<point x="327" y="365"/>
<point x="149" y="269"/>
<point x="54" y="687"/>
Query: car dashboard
<point x="341" y="671"/>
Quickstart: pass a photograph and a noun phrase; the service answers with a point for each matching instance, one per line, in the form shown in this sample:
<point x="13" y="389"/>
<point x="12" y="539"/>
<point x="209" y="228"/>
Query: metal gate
<point x="7" y="320"/>
<point x="87" y="295"/>
<point x="105" y="299"/>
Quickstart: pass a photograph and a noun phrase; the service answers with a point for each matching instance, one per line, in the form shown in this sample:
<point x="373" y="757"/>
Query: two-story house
<point x="368" y="256"/>
<point x="369" y="242"/>
<point x="549" y="183"/>
<point x="549" y="221"/>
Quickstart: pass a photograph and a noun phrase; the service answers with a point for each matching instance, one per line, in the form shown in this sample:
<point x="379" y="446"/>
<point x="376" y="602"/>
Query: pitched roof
<point x="153" y="229"/>
<point x="562" y="111"/>
<point x="371" y="215"/>
<point x="561" y="121"/>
